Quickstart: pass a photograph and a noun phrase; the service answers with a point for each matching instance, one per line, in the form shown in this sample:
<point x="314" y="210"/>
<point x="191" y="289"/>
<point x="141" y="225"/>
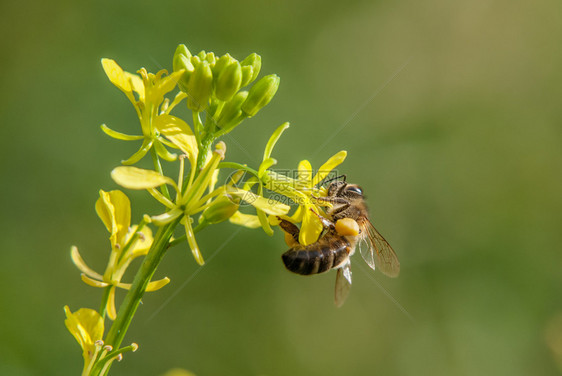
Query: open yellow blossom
<point x="198" y="195"/>
<point x="146" y="92"/>
<point x="86" y="325"/>
<point x="127" y="243"/>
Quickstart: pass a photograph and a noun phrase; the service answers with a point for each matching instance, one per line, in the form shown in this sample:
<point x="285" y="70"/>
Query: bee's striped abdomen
<point x="318" y="257"/>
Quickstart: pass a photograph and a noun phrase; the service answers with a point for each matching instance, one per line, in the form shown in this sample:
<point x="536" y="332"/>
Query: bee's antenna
<point x="343" y="177"/>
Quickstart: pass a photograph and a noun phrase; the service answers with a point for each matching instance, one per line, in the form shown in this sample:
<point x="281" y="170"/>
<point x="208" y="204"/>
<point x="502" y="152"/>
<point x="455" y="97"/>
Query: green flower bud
<point x="228" y="82"/>
<point x="182" y="50"/>
<point x="180" y="62"/>
<point x="251" y="67"/>
<point x="202" y="54"/>
<point x="221" y="63"/>
<point x="221" y="209"/>
<point x="247" y="74"/>
<point x="210" y="57"/>
<point x="260" y="94"/>
<point x="195" y="60"/>
<point x="200" y="87"/>
<point x="231" y="114"/>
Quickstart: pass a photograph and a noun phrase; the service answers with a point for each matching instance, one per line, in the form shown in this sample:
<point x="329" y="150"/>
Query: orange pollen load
<point x="347" y="227"/>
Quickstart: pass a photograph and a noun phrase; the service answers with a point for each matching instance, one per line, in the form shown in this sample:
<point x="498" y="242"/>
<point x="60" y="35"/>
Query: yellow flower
<point x="198" y="195"/>
<point x="303" y="190"/>
<point x="146" y="93"/>
<point x="300" y="190"/>
<point x="127" y="243"/>
<point x="86" y="325"/>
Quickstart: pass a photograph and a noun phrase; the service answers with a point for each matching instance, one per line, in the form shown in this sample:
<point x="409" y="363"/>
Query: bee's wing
<point x="378" y="252"/>
<point x="343" y="284"/>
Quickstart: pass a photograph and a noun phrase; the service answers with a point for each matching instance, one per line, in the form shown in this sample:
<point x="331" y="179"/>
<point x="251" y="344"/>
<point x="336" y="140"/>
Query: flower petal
<point x="80" y="264"/>
<point x="145" y="147"/>
<point x="136" y="84"/>
<point x="110" y="307"/>
<point x="265" y="165"/>
<point x="273" y="140"/>
<point x="118" y="135"/>
<point x="157" y="285"/>
<point x="152" y="286"/>
<point x="86" y="325"/>
<point x="165" y="218"/>
<point x="179" y="133"/>
<point x="163" y="152"/>
<point x="311" y="227"/>
<point x="192" y="242"/>
<point x="327" y="167"/>
<point x="116" y="75"/>
<point x="143" y="243"/>
<point x="92" y="282"/>
<point x="246" y="220"/>
<point x="114" y="209"/>
<point x="269" y="206"/>
<point x="139" y="178"/>
<point x="305" y="172"/>
<point x="168" y="83"/>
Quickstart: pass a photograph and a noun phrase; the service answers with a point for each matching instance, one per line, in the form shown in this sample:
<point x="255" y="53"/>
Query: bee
<point x="337" y="243"/>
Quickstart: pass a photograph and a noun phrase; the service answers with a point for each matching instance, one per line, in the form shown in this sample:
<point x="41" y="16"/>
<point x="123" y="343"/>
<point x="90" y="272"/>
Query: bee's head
<point x="353" y="191"/>
<point x="342" y="189"/>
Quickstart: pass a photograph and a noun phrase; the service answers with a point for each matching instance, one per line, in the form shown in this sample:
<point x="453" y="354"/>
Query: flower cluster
<point x="220" y="92"/>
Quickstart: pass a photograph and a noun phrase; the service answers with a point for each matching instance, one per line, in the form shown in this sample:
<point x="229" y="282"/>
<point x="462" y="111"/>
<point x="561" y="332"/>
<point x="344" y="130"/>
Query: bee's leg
<point x="325" y="221"/>
<point x="344" y="203"/>
<point x="289" y="228"/>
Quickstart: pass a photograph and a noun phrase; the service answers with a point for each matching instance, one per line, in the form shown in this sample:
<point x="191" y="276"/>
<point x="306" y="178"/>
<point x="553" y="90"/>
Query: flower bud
<point x="182" y="50"/>
<point x="228" y="82"/>
<point x="221" y="209"/>
<point x="211" y="59"/>
<point x="231" y="114"/>
<point x="202" y="54"/>
<point x="180" y="62"/>
<point x="250" y="68"/>
<point x="260" y="94"/>
<point x="200" y="87"/>
<point x="221" y="63"/>
<point x="195" y="60"/>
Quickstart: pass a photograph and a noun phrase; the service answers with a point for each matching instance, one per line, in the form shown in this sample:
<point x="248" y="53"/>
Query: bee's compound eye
<point x="354" y="188"/>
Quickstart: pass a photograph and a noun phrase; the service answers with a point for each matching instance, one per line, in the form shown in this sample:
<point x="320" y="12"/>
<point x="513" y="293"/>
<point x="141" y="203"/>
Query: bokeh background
<point x="451" y="114"/>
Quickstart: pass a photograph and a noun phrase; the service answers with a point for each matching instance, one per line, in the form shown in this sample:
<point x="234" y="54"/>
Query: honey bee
<point x="337" y="244"/>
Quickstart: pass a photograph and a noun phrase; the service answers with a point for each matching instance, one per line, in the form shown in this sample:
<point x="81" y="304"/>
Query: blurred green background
<point x="451" y="113"/>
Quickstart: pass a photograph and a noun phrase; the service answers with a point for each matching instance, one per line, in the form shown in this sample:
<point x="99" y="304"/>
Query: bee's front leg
<point x="343" y="202"/>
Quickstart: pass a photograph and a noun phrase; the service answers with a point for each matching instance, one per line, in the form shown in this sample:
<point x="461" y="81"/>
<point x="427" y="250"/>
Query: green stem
<point x="206" y="143"/>
<point x="104" y="299"/>
<point x="144" y="275"/>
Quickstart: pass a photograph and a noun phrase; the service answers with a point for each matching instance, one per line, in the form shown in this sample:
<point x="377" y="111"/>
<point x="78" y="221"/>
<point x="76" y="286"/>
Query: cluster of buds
<point x="214" y="84"/>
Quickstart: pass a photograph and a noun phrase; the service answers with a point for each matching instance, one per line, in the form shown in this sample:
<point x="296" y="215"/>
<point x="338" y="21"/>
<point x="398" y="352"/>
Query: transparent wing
<point x="380" y="253"/>
<point x="343" y="284"/>
<point x="367" y="252"/>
